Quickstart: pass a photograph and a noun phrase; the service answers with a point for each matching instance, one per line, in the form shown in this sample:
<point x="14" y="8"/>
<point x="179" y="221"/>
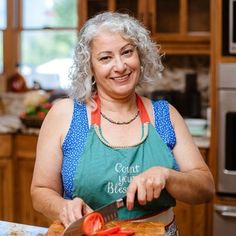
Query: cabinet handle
<point x="226" y="212"/>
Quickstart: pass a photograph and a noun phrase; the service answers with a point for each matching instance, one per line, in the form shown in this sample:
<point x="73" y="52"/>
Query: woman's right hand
<point x="73" y="210"/>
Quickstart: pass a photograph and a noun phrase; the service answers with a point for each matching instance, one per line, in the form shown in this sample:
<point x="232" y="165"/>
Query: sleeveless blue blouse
<point x="76" y="137"/>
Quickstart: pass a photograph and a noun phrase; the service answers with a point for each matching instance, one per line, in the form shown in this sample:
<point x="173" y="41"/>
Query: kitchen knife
<point x="109" y="213"/>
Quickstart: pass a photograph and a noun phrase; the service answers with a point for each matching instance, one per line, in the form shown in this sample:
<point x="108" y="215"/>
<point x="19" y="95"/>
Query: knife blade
<point x="109" y="213"/>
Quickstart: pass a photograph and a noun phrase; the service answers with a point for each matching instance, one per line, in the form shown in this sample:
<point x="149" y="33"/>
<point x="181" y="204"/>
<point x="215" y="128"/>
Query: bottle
<point x="192" y="97"/>
<point x="16" y="82"/>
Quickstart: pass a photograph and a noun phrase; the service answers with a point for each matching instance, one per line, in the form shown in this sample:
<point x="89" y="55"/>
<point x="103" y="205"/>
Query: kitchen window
<point x="2" y="27"/>
<point x="44" y="33"/>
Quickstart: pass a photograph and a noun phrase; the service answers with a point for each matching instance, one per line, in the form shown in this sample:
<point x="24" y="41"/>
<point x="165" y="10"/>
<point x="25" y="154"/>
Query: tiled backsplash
<point x="174" y="78"/>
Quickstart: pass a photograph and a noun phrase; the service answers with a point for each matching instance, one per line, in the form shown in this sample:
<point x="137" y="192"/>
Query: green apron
<point x="104" y="172"/>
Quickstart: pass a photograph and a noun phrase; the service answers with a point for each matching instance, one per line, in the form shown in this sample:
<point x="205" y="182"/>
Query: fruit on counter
<point x="37" y="112"/>
<point x="94" y="225"/>
<point x="93" y="222"/>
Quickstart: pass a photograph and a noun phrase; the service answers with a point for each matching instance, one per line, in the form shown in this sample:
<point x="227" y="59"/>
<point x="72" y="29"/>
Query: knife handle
<point x="121" y="202"/>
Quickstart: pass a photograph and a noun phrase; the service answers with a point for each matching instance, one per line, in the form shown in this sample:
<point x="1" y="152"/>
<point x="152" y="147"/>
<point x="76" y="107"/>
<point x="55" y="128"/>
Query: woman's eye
<point x="128" y="52"/>
<point x="105" y="59"/>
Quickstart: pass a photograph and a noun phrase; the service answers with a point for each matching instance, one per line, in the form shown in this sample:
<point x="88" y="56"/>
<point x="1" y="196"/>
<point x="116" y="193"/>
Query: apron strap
<point x="143" y="112"/>
<point x="96" y="116"/>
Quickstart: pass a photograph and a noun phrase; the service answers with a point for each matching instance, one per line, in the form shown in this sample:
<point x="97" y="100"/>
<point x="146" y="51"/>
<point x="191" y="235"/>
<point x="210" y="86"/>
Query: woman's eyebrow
<point x="109" y="52"/>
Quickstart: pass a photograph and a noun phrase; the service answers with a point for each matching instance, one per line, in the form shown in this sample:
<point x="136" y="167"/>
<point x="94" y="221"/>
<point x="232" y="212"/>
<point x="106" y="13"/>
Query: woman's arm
<point x="192" y="184"/>
<point x="46" y="188"/>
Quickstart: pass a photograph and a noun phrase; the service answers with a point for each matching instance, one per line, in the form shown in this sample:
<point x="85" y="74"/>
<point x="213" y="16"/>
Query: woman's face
<point x="115" y="64"/>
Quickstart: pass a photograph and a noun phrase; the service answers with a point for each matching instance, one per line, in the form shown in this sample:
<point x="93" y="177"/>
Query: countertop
<point x="10" y="229"/>
<point x="12" y="125"/>
<point x="202" y="141"/>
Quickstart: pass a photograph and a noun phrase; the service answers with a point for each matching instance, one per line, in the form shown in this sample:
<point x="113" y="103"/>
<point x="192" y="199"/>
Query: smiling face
<point x="115" y="65"/>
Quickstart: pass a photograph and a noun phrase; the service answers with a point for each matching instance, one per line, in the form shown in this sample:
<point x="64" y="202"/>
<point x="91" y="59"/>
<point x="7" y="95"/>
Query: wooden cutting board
<point x="140" y="228"/>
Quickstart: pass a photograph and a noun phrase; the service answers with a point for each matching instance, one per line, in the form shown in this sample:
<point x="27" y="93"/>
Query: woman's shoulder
<point x="61" y="110"/>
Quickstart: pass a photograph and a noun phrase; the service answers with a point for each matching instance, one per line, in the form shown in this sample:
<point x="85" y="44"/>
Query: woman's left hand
<point x="147" y="186"/>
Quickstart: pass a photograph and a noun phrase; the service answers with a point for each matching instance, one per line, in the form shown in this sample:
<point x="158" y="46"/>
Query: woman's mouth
<point x="121" y="78"/>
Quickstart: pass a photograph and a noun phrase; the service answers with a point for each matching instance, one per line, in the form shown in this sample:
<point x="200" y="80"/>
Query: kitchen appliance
<point x="227" y="129"/>
<point x="229" y="27"/>
<point x="109" y="213"/>
<point x="224" y="218"/>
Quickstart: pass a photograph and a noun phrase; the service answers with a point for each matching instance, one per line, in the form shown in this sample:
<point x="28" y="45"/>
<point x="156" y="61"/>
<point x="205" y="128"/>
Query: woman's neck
<point x="121" y="105"/>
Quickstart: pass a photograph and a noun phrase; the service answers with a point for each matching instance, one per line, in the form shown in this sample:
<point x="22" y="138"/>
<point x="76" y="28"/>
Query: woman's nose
<point x="119" y="64"/>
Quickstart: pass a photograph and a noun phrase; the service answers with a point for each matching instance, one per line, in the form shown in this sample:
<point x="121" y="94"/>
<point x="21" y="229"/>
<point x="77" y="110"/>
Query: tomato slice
<point x="93" y="222"/>
<point x="109" y="231"/>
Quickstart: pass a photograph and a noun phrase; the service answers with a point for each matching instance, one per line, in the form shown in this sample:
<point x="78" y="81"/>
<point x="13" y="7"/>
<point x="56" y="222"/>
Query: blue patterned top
<point x="76" y="137"/>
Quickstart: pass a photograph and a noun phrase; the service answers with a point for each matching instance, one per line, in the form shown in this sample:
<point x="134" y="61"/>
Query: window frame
<point x="12" y="34"/>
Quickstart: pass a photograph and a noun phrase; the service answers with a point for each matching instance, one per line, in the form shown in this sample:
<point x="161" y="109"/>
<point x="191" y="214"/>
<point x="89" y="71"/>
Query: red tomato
<point x="93" y="222"/>
<point x="47" y="105"/>
<point x="109" y="231"/>
<point x="23" y="115"/>
<point x="41" y="115"/>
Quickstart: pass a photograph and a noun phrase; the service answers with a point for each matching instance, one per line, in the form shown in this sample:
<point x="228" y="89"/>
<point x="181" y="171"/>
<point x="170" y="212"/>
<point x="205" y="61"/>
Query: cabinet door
<point x="90" y="8"/>
<point x="6" y="196"/>
<point x="24" y="212"/>
<point x="24" y="162"/>
<point x="194" y="220"/>
<point x="177" y="26"/>
<point x="6" y="184"/>
<point x="191" y="219"/>
<point x="180" y="17"/>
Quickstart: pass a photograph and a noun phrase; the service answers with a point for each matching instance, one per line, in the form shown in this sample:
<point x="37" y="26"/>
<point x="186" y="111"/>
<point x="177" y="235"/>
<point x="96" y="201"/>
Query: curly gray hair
<point x="133" y="31"/>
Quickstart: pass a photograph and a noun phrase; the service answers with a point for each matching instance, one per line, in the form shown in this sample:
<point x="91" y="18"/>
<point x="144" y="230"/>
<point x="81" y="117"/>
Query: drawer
<point x="25" y="146"/>
<point x="6" y="145"/>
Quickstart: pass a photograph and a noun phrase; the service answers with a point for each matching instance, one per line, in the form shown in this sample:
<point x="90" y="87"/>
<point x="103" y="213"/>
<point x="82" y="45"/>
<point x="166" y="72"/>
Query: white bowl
<point x="197" y="127"/>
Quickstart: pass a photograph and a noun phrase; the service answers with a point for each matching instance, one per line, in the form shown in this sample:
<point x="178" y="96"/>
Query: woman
<point x="106" y="141"/>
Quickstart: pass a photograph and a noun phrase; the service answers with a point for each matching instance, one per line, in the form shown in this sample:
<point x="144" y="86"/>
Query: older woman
<point x="106" y="141"/>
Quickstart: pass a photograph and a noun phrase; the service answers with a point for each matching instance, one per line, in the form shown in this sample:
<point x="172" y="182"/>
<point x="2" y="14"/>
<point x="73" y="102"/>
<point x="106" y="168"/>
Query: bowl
<point x="32" y="122"/>
<point x="197" y="127"/>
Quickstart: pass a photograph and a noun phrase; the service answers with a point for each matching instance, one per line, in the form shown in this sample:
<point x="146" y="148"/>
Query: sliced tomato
<point x="93" y="222"/>
<point x="109" y="231"/>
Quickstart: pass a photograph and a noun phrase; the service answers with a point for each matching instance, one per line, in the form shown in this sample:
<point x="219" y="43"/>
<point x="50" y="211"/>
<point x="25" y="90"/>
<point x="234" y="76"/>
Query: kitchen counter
<point x="202" y="141"/>
<point x="10" y="228"/>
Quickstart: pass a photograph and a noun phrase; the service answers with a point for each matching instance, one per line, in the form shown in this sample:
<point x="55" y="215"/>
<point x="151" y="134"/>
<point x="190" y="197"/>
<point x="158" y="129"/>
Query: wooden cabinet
<point x="191" y="219"/>
<point x="16" y="204"/>
<point x="25" y="151"/>
<point x="194" y="220"/>
<point x="6" y="180"/>
<point x="175" y="24"/>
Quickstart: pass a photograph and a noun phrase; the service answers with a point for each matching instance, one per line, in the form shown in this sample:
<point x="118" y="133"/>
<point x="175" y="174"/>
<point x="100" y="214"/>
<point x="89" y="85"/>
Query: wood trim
<point x="151" y="15"/>
<point x="82" y="12"/>
<point x="142" y="11"/>
<point x="10" y="45"/>
<point x="183" y="11"/>
<point x="111" y="5"/>
<point x="6" y="193"/>
<point x="183" y="38"/>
